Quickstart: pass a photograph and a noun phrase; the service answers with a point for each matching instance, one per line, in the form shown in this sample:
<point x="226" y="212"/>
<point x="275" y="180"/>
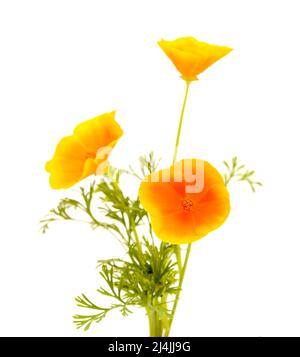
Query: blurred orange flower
<point x="85" y="152"/>
<point x="186" y="201"/>
<point x="191" y="57"/>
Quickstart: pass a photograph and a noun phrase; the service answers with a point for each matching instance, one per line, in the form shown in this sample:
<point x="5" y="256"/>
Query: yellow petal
<point x="191" y="57"/>
<point x="85" y="152"/>
<point x="98" y="132"/>
<point x="68" y="162"/>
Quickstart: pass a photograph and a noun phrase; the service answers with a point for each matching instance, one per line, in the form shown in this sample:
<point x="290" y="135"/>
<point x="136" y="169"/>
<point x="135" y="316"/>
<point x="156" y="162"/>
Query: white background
<point x="62" y="62"/>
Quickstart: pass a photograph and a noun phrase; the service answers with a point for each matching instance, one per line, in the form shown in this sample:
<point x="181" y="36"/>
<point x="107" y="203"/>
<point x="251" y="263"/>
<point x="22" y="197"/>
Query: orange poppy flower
<point x="85" y="152"/>
<point x="186" y="201"/>
<point x="191" y="57"/>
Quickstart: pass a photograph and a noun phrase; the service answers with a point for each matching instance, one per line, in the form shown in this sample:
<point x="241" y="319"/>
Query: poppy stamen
<point x="187" y="205"/>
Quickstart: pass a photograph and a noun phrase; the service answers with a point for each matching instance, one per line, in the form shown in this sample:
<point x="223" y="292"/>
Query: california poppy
<point x="180" y="211"/>
<point x="85" y="152"/>
<point x="191" y="57"/>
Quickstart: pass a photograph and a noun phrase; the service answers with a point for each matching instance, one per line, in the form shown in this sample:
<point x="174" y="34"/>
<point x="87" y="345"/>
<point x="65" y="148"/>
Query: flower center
<point x="187" y="205"/>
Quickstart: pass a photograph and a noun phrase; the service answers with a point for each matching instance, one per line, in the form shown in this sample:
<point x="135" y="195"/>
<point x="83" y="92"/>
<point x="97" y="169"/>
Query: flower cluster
<point x="178" y="205"/>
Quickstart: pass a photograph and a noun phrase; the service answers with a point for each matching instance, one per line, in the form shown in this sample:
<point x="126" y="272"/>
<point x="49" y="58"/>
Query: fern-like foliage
<point x="238" y="172"/>
<point x="148" y="276"/>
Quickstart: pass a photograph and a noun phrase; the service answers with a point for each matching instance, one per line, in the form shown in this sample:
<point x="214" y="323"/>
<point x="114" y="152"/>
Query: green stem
<point x="181" y="121"/>
<point x="132" y="229"/>
<point x="165" y="318"/>
<point x="155" y="324"/>
<point x="181" y="269"/>
<point x="178" y="257"/>
<point x="161" y="327"/>
<point x="138" y="243"/>
<point x="182" y="274"/>
<point x="158" y="321"/>
<point x="152" y="324"/>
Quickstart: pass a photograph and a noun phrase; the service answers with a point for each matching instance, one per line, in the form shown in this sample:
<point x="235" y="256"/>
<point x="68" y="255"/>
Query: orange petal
<point x="212" y="211"/>
<point x="176" y="228"/>
<point x="181" y="217"/>
<point x="152" y="192"/>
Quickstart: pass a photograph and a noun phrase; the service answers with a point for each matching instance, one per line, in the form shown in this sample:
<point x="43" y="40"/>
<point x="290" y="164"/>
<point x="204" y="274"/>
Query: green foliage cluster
<point x="149" y="275"/>
<point x="140" y="281"/>
<point x="237" y="171"/>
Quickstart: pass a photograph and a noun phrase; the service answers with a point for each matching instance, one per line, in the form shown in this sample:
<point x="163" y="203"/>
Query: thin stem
<point x="186" y="259"/>
<point x="161" y="326"/>
<point x="181" y="269"/>
<point x="90" y="214"/>
<point x="165" y="318"/>
<point x="138" y="243"/>
<point x="178" y="257"/>
<point x="129" y="231"/>
<point x="181" y="121"/>
<point x="152" y="323"/>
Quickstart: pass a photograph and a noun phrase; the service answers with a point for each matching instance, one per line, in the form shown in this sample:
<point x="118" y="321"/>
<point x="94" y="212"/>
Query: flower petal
<point x="184" y="61"/>
<point x="191" y="57"/>
<point x="85" y="152"/>
<point x="152" y="192"/>
<point x="98" y="132"/>
<point x="176" y="228"/>
<point x="212" y="211"/>
<point x="182" y="216"/>
<point x="67" y="165"/>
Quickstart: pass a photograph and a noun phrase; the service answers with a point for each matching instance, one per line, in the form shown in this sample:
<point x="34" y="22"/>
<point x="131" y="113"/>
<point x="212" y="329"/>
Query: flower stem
<point x="178" y="257"/>
<point x="161" y="325"/>
<point x="182" y="274"/>
<point x="158" y="321"/>
<point x="138" y="243"/>
<point x="181" y="121"/>
<point x="181" y="269"/>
